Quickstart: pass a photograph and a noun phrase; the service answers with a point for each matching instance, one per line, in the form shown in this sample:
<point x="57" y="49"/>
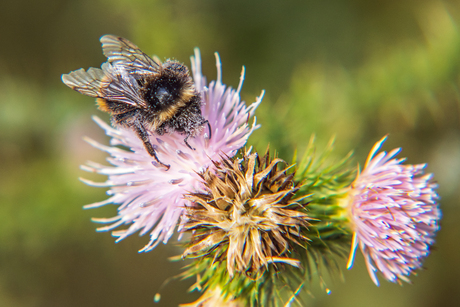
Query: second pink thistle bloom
<point x="394" y="215"/>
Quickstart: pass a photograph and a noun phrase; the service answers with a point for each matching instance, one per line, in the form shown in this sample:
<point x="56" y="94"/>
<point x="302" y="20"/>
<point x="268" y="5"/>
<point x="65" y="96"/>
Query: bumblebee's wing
<point x="120" y="51"/>
<point x="86" y="82"/>
<point x="118" y="85"/>
<point x="108" y="83"/>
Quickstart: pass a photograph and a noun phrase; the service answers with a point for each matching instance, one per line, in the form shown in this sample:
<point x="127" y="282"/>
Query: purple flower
<point x="150" y="198"/>
<point x="394" y="214"/>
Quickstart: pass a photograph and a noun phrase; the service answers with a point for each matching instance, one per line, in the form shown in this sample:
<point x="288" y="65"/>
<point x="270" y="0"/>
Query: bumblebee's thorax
<point x="162" y="92"/>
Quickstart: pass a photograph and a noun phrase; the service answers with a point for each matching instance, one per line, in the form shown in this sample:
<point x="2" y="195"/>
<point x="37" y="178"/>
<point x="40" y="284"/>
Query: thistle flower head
<point x="247" y="216"/>
<point x="394" y="215"/>
<point x="150" y="198"/>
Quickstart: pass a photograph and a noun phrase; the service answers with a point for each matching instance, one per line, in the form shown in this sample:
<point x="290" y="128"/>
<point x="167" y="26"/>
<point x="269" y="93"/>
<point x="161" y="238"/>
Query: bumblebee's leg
<point x="144" y="136"/>
<point x="186" y="143"/>
<point x="188" y="135"/>
<point x="209" y="127"/>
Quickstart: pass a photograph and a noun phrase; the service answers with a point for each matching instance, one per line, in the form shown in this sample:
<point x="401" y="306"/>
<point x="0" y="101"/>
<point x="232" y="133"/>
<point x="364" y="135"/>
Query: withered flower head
<point x="247" y="215"/>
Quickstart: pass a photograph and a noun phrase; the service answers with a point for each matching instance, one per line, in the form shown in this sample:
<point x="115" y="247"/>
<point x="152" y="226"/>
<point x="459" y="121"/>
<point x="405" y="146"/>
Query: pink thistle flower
<point x="394" y="214"/>
<point x="150" y="198"/>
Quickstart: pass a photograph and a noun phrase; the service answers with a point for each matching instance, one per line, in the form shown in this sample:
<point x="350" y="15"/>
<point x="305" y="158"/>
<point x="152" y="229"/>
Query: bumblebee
<point x="142" y="93"/>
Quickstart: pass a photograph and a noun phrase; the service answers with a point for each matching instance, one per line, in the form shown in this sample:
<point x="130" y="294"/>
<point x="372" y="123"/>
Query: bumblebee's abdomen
<point x="113" y="107"/>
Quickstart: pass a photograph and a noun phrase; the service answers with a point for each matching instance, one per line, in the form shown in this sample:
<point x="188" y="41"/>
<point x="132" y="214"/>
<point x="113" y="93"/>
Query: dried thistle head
<point x="247" y="215"/>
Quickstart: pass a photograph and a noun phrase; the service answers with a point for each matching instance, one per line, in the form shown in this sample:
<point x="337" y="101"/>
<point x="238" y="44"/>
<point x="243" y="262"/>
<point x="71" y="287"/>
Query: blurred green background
<point x="355" y="69"/>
